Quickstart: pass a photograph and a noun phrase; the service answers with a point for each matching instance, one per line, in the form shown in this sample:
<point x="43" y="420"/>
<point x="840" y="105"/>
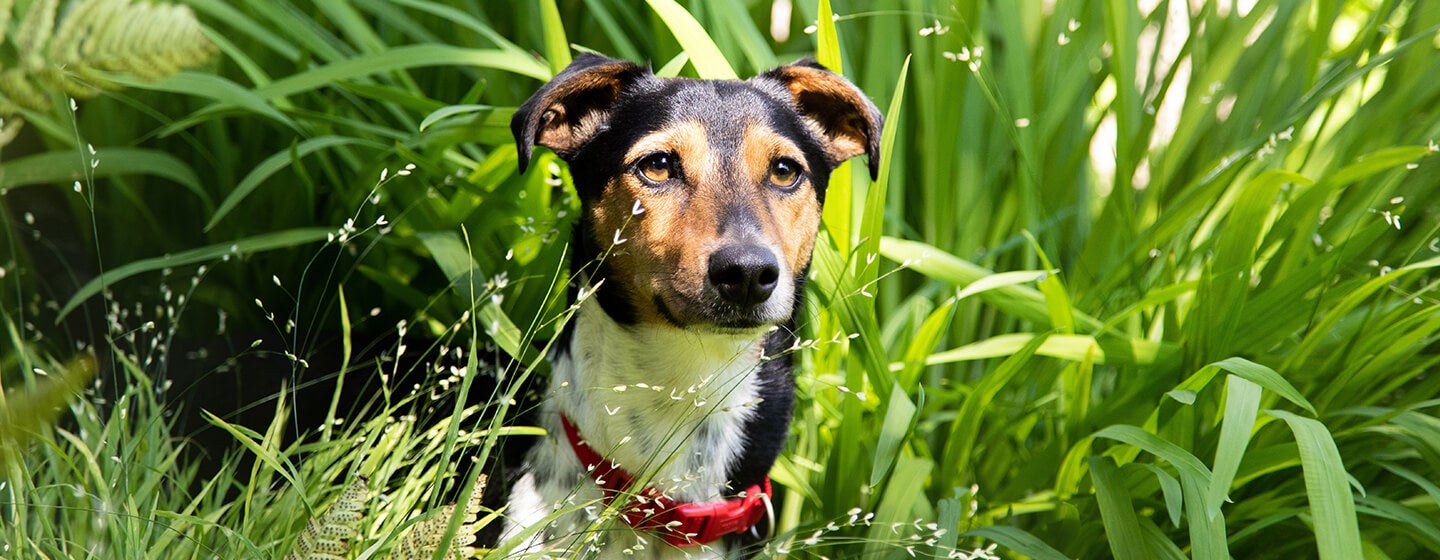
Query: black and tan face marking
<point x="701" y="198"/>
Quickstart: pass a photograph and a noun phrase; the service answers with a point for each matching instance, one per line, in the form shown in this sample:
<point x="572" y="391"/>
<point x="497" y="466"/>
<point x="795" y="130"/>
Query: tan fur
<point x="665" y="249"/>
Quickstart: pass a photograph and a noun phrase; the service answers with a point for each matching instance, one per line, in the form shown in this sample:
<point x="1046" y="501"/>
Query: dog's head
<point x="701" y="198"/>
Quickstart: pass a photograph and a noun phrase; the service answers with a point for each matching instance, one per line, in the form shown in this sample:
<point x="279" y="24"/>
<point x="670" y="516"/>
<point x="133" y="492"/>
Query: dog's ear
<point x="848" y="120"/>
<point x="569" y="110"/>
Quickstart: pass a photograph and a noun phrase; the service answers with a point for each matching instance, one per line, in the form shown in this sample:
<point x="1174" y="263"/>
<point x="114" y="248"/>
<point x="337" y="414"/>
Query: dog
<point x="671" y="387"/>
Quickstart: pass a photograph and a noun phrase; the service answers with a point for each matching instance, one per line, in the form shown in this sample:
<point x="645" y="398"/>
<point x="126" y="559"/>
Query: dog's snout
<point x="744" y="274"/>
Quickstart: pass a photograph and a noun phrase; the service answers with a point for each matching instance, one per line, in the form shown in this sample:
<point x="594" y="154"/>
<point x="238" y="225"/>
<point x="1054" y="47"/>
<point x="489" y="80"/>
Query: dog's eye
<point x="784" y="173"/>
<point x="657" y="168"/>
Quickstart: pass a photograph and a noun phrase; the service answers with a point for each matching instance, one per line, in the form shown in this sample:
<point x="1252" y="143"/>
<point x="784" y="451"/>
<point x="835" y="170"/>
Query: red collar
<point x="680" y="524"/>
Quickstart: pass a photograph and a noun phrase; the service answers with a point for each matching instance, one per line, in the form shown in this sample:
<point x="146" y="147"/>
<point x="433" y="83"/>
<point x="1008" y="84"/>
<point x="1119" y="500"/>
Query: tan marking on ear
<point x="845" y="137"/>
<point x="591" y="92"/>
<point x="849" y="123"/>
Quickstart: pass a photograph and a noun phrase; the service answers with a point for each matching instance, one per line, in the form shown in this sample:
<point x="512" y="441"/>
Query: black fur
<point x="629" y="102"/>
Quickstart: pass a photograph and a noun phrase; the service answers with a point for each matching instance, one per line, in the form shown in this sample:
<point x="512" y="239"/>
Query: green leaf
<point x="965" y="430"/>
<point x="899" y="417"/>
<point x="1170" y="488"/>
<point x="1073" y="347"/>
<point x="400" y="58"/>
<point x="452" y="254"/>
<point x="706" y="57"/>
<point x="1000" y="280"/>
<point x="827" y="41"/>
<point x="1018" y="540"/>
<point x="557" y="48"/>
<point x="1122" y="527"/>
<point x="1187" y="464"/>
<point x="213" y="87"/>
<point x="1332" y="507"/>
<point x="250" y="245"/>
<point x="450" y="111"/>
<point x="873" y="216"/>
<point x="1242" y="405"/>
<point x="1057" y="301"/>
<point x="275" y="163"/>
<point x="1375" y="162"/>
<point x="1266" y="378"/>
<point x="1022" y="301"/>
<point x="64" y="167"/>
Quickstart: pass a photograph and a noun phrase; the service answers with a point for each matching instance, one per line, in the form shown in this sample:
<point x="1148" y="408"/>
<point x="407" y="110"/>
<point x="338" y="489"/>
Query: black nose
<point x="744" y="274"/>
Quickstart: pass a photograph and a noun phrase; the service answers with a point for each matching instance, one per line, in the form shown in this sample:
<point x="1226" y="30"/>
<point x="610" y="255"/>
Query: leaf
<point x="1375" y="162"/>
<point x="275" y="163"/>
<point x="1000" y="280"/>
<point x="1170" y="488"/>
<point x="899" y="417"/>
<point x="1242" y="405"/>
<point x="873" y="216"/>
<point x="257" y="244"/>
<point x="1057" y="301"/>
<point x="1187" y="464"/>
<point x="450" y="111"/>
<point x="557" y="48"/>
<point x="64" y="167"/>
<point x="400" y="58"/>
<point x="1117" y="513"/>
<point x="708" y="61"/>
<point x="1332" y="507"/>
<point x="1018" y="540"/>
<point x="1266" y="378"/>
<point x="213" y="87"/>
<point x="965" y="430"/>
<point x="1022" y="301"/>
<point x="827" y="41"/>
<point x="1073" y="347"/>
<point x="452" y="254"/>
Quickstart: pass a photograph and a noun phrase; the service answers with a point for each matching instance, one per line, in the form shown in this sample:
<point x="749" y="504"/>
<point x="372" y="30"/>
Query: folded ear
<point x="848" y="120"/>
<point x="570" y="109"/>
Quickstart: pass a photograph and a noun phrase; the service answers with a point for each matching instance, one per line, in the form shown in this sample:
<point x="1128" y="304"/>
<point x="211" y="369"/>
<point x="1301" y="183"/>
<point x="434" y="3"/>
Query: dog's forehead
<point x="719" y="104"/>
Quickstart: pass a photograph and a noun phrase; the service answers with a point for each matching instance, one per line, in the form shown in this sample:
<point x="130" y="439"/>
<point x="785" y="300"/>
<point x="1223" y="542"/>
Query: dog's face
<point x="701" y="199"/>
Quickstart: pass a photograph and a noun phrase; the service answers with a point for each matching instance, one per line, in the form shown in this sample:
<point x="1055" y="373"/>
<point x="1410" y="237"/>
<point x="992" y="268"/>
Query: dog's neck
<point x="669" y="406"/>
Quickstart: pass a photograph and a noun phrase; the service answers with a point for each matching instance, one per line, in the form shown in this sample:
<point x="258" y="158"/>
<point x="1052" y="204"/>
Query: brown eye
<point x="784" y="173"/>
<point x="656" y="168"/>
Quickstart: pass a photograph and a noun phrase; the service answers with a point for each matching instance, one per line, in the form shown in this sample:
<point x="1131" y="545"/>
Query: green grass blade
<point x="873" y="215"/>
<point x="400" y="58"/>
<point x="1174" y="495"/>
<point x="273" y="164"/>
<point x="250" y="245"/>
<point x="1018" y="540"/>
<point x="1122" y="527"/>
<point x="1337" y="533"/>
<point x="965" y="430"/>
<point x="1242" y="405"/>
<point x="1267" y="378"/>
<point x="708" y="61"/>
<point x="66" y="166"/>
<point x="213" y="87"/>
<point x="557" y="47"/>
<point x="1187" y="464"/>
<point x="899" y="418"/>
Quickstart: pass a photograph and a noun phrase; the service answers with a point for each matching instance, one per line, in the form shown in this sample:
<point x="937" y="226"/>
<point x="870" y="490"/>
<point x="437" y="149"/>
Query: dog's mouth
<point x="712" y="313"/>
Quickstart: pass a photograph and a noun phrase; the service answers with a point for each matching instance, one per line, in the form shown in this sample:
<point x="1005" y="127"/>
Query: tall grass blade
<point x="704" y="55"/>
<point x="1337" y="533"/>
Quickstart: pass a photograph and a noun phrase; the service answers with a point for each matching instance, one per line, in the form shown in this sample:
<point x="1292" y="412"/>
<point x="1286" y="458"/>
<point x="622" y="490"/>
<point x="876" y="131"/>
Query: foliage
<point x="145" y="40"/>
<point x="1139" y="280"/>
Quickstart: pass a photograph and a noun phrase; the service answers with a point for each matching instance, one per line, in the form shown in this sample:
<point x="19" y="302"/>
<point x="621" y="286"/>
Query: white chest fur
<point x="666" y="405"/>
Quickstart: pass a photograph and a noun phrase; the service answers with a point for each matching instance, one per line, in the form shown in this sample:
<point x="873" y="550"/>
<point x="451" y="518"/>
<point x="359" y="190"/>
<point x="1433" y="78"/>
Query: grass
<point x="1137" y="281"/>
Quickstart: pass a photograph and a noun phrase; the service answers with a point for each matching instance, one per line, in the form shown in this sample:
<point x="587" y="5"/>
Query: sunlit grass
<point x="1138" y="281"/>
